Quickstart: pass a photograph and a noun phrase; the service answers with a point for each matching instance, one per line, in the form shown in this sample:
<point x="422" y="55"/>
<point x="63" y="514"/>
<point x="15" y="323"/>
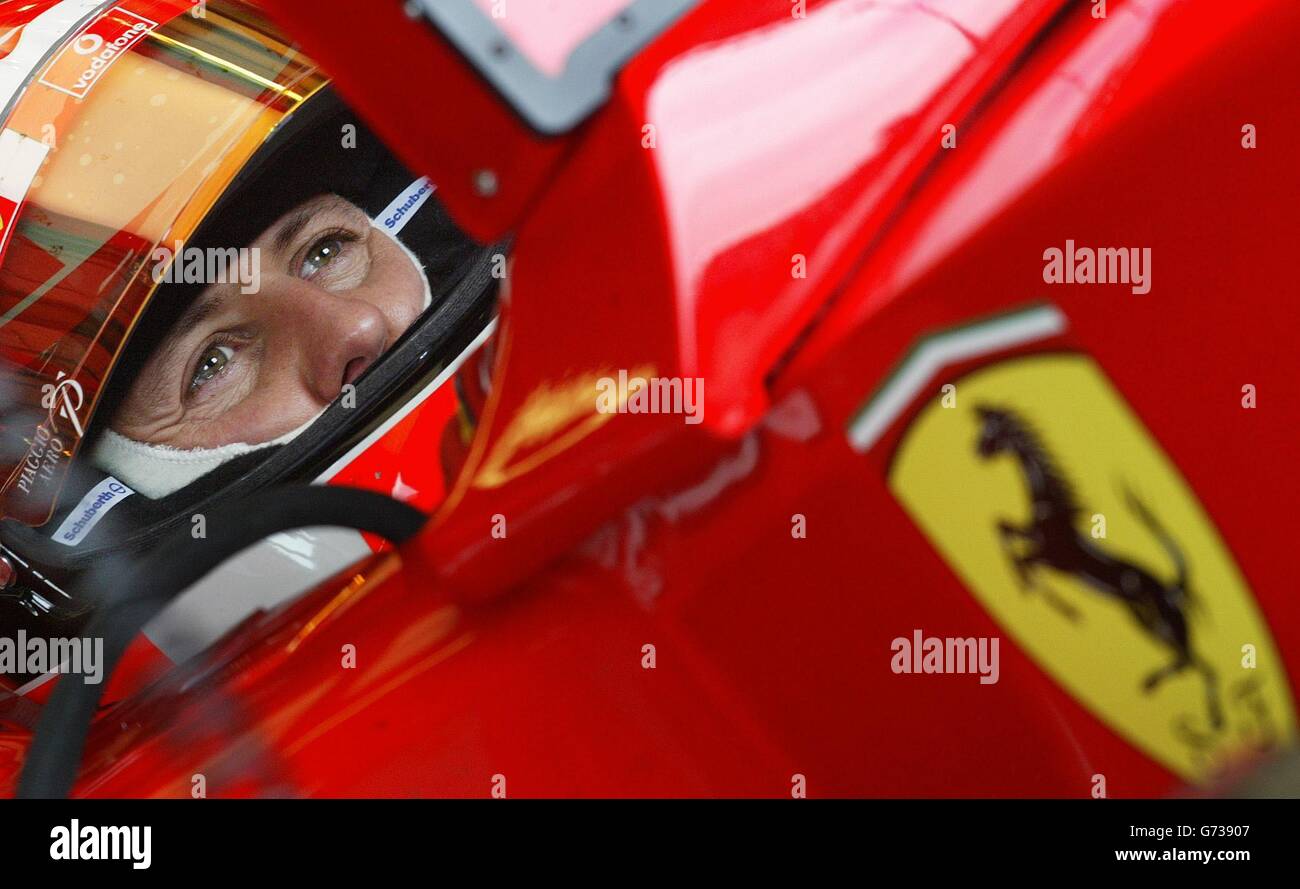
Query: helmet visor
<point x="120" y="139"/>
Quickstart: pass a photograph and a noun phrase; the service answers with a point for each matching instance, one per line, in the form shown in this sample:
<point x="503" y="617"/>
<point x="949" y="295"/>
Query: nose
<point x="339" y="336"/>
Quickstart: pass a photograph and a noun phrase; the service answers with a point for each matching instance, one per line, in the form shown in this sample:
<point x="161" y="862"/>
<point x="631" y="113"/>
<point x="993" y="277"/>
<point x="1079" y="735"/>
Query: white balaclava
<point x="158" y="470"/>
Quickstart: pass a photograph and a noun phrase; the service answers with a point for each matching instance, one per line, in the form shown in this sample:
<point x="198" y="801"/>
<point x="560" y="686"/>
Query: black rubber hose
<point x="132" y="591"/>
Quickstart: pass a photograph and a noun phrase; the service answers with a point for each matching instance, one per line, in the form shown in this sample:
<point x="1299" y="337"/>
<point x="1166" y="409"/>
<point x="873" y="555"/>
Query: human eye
<point x="325" y="252"/>
<point x="211" y="363"/>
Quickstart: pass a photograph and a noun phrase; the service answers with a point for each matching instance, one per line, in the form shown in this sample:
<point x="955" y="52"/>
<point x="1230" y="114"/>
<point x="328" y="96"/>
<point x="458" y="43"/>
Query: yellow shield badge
<point x="1062" y="515"/>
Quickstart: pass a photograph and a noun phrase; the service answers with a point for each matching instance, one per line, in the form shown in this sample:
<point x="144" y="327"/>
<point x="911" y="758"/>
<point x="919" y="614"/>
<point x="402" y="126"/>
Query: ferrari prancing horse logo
<point x="1053" y="540"/>
<point x="1075" y="531"/>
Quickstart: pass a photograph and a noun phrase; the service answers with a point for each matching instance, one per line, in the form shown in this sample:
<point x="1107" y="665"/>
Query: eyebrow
<point x="290" y="229"/>
<point x="285" y="233"/>
<point x="200" y="310"/>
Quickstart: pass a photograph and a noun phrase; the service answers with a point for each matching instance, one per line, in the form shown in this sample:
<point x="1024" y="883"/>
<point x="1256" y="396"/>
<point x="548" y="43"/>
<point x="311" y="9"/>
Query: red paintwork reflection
<point x="777" y="150"/>
<point x="772" y="651"/>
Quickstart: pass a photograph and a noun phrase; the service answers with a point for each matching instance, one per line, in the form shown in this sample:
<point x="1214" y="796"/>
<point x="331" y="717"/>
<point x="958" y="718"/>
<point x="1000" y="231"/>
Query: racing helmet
<point x="145" y="143"/>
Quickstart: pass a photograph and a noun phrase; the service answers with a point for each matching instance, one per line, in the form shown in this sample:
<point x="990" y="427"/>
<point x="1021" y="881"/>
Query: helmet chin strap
<point x="158" y="470"/>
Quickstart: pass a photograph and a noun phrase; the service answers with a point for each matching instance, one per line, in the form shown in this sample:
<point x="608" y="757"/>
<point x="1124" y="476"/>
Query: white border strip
<point x="941" y="350"/>
<point x="20" y="160"/>
<point x="41" y="35"/>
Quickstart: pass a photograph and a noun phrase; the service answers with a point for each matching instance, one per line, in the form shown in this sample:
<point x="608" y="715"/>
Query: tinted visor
<point x="126" y="133"/>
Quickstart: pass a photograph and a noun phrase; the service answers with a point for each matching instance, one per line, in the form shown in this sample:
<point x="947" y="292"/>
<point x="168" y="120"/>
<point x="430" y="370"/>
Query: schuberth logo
<point x="97" y="503"/>
<point x="395" y="216"/>
<point x="1068" y="523"/>
<point x="80" y="64"/>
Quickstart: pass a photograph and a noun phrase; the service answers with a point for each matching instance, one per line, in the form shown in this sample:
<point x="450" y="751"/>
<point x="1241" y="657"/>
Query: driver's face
<point x="335" y="293"/>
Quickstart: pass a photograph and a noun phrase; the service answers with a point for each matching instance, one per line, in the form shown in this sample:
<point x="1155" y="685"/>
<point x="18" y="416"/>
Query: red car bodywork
<point x="484" y="662"/>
